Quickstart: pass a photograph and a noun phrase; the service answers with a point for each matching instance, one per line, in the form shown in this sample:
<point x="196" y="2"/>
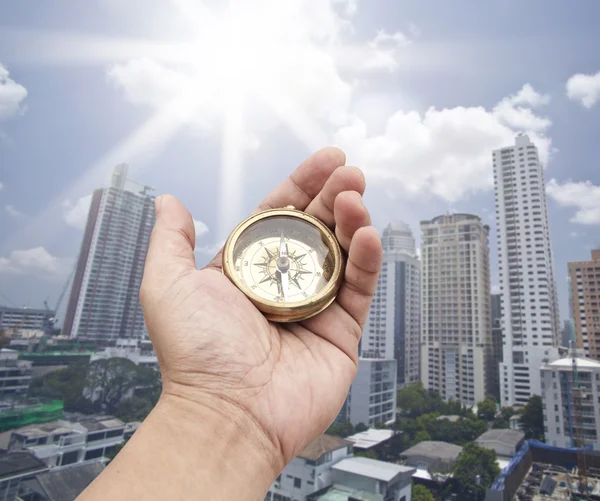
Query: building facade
<point x="23" y="320"/>
<point x="496" y="346"/>
<point x="15" y="374"/>
<point x="455" y="311"/>
<point x="584" y="282"/>
<point x="564" y="426"/>
<point x="530" y="320"/>
<point x="104" y="302"/>
<point x="310" y="471"/>
<point x="393" y="325"/>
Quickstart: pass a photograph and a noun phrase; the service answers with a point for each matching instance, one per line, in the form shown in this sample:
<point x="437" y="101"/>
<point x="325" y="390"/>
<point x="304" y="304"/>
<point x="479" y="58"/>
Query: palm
<point x="290" y="379"/>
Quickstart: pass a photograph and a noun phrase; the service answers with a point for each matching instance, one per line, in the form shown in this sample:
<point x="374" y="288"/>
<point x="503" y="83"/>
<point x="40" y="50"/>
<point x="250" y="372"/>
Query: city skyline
<point x="435" y="140"/>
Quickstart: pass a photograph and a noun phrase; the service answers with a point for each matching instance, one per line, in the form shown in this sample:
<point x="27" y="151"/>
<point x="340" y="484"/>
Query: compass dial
<point x="283" y="259"/>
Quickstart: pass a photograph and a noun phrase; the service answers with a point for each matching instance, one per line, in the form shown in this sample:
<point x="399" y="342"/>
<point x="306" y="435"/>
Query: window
<point x="297" y="483"/>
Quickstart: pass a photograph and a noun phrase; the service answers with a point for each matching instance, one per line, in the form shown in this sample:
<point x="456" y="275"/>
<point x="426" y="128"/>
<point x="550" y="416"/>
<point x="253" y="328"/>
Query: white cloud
<point x="37" y="261"/>
<point x="12" y="211"/>
<point x="584" y="88"/>
<point x="584" y="196"/>
<point x="201" y="228"/>
<point x="529" y="96"/>
<point x="76" y="214"/>
<point x="445" y="152"/>
<point x="11" y="95"/>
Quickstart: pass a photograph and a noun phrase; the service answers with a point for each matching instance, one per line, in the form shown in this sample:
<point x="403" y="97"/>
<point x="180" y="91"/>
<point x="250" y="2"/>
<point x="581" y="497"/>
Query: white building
<point x="26" y="321"/>
<point x="455" y="308"/>
<point x="15" y="374"/>
<point x="64" y="442"/>
<point x="392" y="329"/>
<point x="562" y="425"/>
<point x="364" y="479"/>
<point x="372" y="396"/>
<point x="530" y="320"/>
<point x="104" y="302"/>
<point x="131" y="349"/>
<point x="310" y="471"/>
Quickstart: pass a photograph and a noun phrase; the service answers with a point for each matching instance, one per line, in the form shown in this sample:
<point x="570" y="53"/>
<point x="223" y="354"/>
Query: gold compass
<point x="287" y="262"/>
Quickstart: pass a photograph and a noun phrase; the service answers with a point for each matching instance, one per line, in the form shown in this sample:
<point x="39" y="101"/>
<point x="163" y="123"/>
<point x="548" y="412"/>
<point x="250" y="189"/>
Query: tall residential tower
<point x="393" y="324"/>
<point x="104" y="302"/>
<point x="455" y="315"/>
<point x="530" y="321"/>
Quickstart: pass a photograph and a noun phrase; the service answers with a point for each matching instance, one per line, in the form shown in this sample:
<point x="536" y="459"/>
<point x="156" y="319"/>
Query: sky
<point x="217" y="102"/>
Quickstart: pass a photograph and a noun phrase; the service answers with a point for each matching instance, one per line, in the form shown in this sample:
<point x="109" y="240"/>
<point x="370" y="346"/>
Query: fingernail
<point x="157" y="203"/>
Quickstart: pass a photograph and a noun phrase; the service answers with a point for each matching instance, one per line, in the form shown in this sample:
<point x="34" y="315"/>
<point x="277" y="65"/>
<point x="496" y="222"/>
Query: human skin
<point x="241" y="395"/>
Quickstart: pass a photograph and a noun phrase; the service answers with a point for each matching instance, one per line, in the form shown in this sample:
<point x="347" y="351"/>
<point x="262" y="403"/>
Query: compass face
<point x="283" y="259"/>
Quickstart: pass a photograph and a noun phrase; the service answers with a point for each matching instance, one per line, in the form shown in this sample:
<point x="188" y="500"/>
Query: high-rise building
<point x="567" y="420"/>
<point x="530" y="321"/>
<point x="496" y="356"/>
<point x="584" y="280"/>
<point x="393" y="325"/>
<point x="17" y="320"/>
<point x="104" y="302"/>
<point x="455" y="311"/>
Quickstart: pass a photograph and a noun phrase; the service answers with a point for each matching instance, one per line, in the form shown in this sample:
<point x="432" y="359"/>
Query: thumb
<point x="171" y="249"/>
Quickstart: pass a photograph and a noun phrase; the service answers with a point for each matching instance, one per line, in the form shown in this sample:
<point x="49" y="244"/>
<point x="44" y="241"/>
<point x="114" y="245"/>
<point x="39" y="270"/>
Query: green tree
<point x="422" y="436"/>
<point x="133" y="409"/>
<point x="414" y="400"/>
<point x="371" y="454"/>
<point x="532" y="418"/>
<point x="486" y="409"/>
<point x="474" y="471"/>
<point x="502" y="421"/>
<point x="341" y="430"/>
<point x="421" y="493"/>
<point x="110" y="380"/>
<point x="360" y="427"/>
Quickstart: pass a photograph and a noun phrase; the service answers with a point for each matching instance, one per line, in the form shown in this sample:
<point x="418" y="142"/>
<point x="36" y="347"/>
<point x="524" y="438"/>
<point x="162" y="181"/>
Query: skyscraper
<point x="496" y="356"/>
<point x="529" y="302"/>
<point x="104" y="302"/>
<point x="584" y="279"/>
<point x="393" y="324"/>
<point x="455" y="314"/>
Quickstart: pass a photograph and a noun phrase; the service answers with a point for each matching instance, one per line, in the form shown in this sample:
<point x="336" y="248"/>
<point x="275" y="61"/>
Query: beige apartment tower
<point x="456" y="309"/>
<point x="584" y="279"/>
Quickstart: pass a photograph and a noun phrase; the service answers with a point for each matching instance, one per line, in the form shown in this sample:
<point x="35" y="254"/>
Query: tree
<point x="110" y="380"/>
<point x="67" y="385"/>
<point x="422" y="436"/>
<point x="414" y="400"/>
<point x="532" y="418"/>
<point x="371" y="454"/>
<point x="474" y="472"/>
<point x="486" y="409"/>
<point x="341" y="430"/>
<point x="360" y="427"/>
<point x="133" y="409"/>
<point x="502" y="421"/>
<point x="421" y="493"/>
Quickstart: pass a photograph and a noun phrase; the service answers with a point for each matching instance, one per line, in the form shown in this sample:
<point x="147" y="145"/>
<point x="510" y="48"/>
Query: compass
<point x="287" y="262"/>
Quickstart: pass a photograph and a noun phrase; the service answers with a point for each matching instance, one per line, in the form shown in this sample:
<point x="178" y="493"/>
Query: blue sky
<point x="417" y="94"/>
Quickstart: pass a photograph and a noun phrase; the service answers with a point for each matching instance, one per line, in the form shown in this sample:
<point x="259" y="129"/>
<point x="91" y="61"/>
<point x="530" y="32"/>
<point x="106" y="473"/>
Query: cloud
<point x="37" y="261"/>
<point x="76" y="214"/>
<point x="584" y="196"/>
<point x="201" y="228"/>
<point x="12" y="211"/>
<point x="444" y="152"/>
<point x="11" y="95"/>
<point x="1" y="186"/>
<point x="584" y="88"/>
<point x="529" y="96"/>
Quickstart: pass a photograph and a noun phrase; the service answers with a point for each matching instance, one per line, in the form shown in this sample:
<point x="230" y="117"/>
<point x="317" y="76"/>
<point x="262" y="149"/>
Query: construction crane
<point x="60" y="298"/>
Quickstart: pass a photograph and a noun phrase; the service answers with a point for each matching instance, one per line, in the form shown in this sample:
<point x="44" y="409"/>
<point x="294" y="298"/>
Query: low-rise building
<point x="504" y="442"/>
<point x="66" y="442"/>
<point x="515" y="422"/>
<point x="371" y="439"/>
<point x="310" y="471"/>
<point x="565" y="416"/>
<point x="365" y="479"/>
<point x="131" y="349"/>
<point x="14" y="468"/>
<point x="19" y="412"/>
<point x="15" y="374"/>
<point x="434" y="457"/>
<point x="22" y="321"/>
<point x="372" y="396"/>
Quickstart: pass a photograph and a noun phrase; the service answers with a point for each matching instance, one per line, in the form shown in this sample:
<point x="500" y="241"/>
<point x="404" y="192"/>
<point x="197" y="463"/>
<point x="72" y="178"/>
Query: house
<point x="371" y="439"/>
<point x="505" y="442"/>
<point x="14" y="468"/>
<point x="364" y="479"/>
<point x="434" y="457"/>
<point x="310" y="471"/>
<point x="515" y="422"/>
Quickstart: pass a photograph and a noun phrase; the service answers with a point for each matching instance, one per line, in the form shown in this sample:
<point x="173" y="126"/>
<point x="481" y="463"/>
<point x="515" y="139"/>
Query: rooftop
<point x="370" y="438"/>
<point x="450" y="418"/>
<point x="340" y="493"/>
<point x="322" y="445"/>
<point x="508" y="437"/>
<point x="66" y="484"/>
<point x="102" y="423"/>
<point x="432" y="449"/>
<point x="19" y="463"/>
<point x="567" y="363"/>
<point x="372" y="468"/>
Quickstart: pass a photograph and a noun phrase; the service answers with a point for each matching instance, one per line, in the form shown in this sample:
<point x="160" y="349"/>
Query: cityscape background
<point x="479" y="369"/>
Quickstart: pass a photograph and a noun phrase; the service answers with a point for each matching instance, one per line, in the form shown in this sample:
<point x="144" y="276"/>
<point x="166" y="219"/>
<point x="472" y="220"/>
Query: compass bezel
<point x="300" y="310"/>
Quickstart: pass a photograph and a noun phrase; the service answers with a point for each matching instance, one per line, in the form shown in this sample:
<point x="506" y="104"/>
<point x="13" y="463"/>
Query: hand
<point x="283" y="384"/>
